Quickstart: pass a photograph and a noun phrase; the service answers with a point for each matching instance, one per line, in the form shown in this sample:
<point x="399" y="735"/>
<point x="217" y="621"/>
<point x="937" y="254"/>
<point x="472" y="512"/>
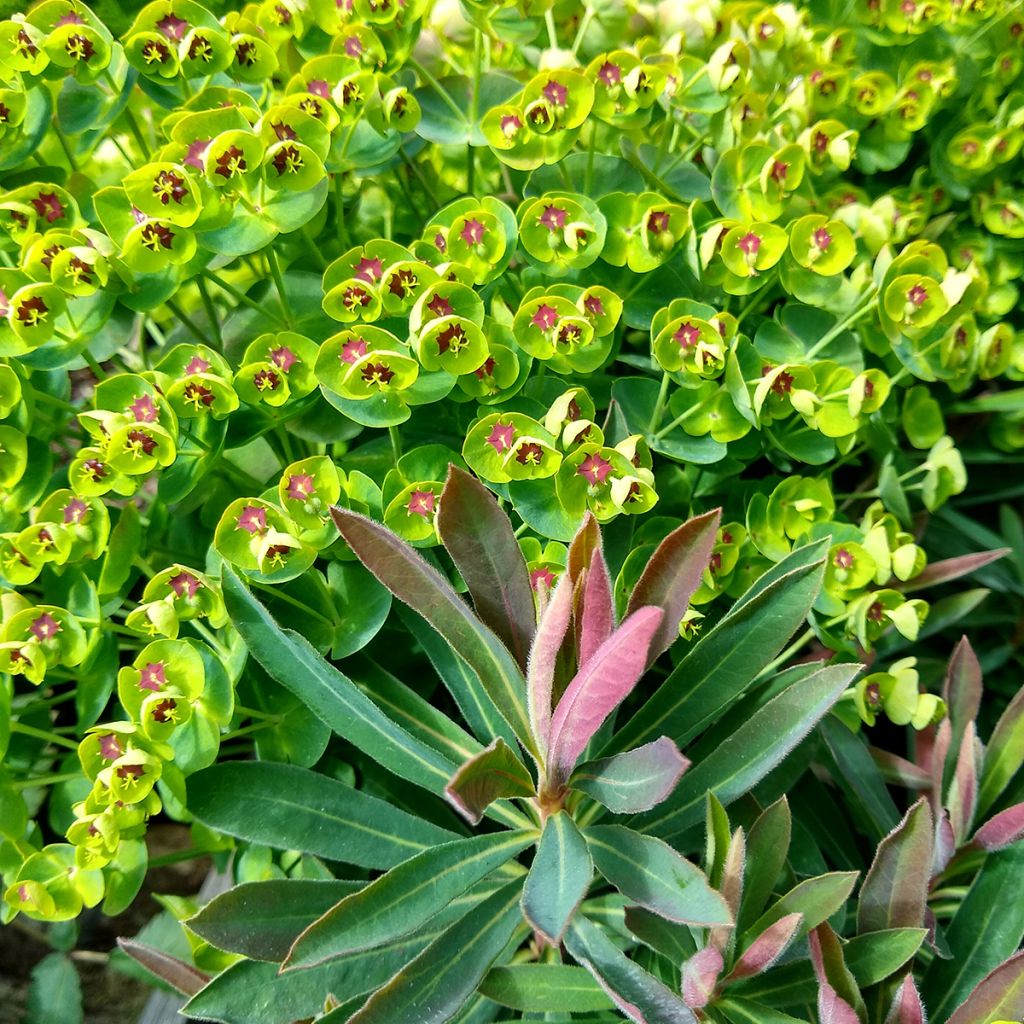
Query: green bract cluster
<point x="320" y="304"/>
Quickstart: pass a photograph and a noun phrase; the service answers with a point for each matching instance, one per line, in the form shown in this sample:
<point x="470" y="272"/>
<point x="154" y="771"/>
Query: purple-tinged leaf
<point x="952" y="569"/>
<point x="559" y="877"/>
<point x="945" y="843"/>
<point x="962" y="796"/>
<point x="583" y="546"/>
<point x="1004" y="753"/>
<point x="962" y="689"/>
<point x="639" y="995"/>
<point x="540" y="670"/>
<point x="634" y="781"/>
<point x="998" y="996"/>
<point x="1000" y="831"/>
<point x="493" y="774"/>
<point x="598" y="618"/>
<point x="419" y="585"/>
<point x="767" y="848"/>
<point x="597" y="689"/>
<point x="906" y="1007"/>
<point x="700" y="976"/>
<point x="672" y="575"/>
<point x="762" y="953"/>
<point x="937" y="759"/>
<point x="839" y="997"/>
<point x="731" y="887"/>
<point x="182" y="977"/>
<point x="896" y="886"/>
<point x="817" y="899"/>
<point x="898" y="771"/>
<point x="483" y="546"/>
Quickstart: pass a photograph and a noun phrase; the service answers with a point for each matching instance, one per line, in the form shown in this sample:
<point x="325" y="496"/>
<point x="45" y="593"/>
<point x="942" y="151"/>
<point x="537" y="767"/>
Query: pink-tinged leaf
<point x="998" y="996"/>
<point x="540" y="671"/>
<point x="838" y="994"/>
<point x="598" y="618"/>
<point x="762" y="953"/>
<point x="898" y="771"/>
<point x="493" y="774"/>
<point x="1005" y="828"/>
<point x="953" y="568"/>
<point x="583" y="546"/>
<point x="699" y="977"/>
<point x="945" y="843"/>
<point x="962" y="689"/>
<point x="672" y="575"/>
<point x="634" y="781"/>
<point x="936" y="765"/>
<point x="896" y="887"/>
<point x="1004" y="753"/>
<point x="731" y="886"/>
<point x="597" y="689"/>
<point x="906" y="1007"/>
<point x="419" y="585"/>
<point x="962" y="796"/>
<point x="182" y="977"/>
<point x="483" y="546"/>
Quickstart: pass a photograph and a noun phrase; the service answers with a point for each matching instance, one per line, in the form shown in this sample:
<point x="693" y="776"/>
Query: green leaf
<point x="739" y="761"/>
<point x="294" y="809"/>
<point x="650" y="873"/>
<point x="767" y="849"/>
<point x="988" y="927"/>
<point x="895" y="889"/>
<point x="1004" y="754"/>
<point x="261" y="920"/>
<point x="634" y="781"/>
<point x="545" y="988"/>
<point x="442" y="123"/>
<point x="333" y="697"/>
<point x="122" y="548"/>
<point x="423" y="588"/>
<point x="493" y="774"/>
<point x="479" y="537"/>
<point x="639" y="995"/>
<point x="859" y="776"/>
<point x="559" y="878"/>
<point x="725" y="660"/>
<point x="54" y="992"/>
<point x="817" y="899"/>
<point x="405" y="898"/>
<point x="438" y="982"/>
<point x="742" y="1011"/>
<point x="1000" y="994"/>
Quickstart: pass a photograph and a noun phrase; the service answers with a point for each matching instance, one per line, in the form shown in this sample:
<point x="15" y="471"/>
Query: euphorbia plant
<point x="541" y="673"/>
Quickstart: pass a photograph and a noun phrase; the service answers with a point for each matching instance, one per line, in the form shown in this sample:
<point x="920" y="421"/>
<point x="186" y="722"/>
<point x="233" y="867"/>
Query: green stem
<point x="246" y="712"/>
<point x="857" y="314"/>
<point x="434" y="84"/>
<point x="240" y="296"/>
<point x="549" y="22"/>
<point x="312" y="248"/>
<point x="97" y="371"/>
<point x="211" y="311"/>
<point x="177" y="857"/>
<point x="43" y="734"/>
<point x="396" y="442"/>
<point x="805" y="637"/>
<point x="339" y="202"/>
<point x="588" y="16"/>
<point x="474" y="105"/>
<point x="63" y="140"/>
<point x="288" y="599"/>
<point x="179" y="314"/>
<point x="58" y="403"/>
<point x="275" y="270"/>
<point x="245" y="730"/>
<point x="681" y="418"/>
<point x="659" y="405"/>
<point x="133" y="127"/>
<point x="46" y="780"/>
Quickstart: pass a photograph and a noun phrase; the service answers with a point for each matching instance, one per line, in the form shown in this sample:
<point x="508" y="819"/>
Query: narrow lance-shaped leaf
<point x="634" y="781"/>
<point x="962" y="795"/>
<point x="762" y="953"/>
<point x="741" y="760"/>
<point x="581" y="550"/>
<point x="261" y="920"/>
<point x="962" y="689"/>
<point x="545" y="988"/>
<point x="723" y="663"/>
<point x="767" y="848"/>
<point x="597" y="689"/>
<point x="559" y="878"/>
<point x="1004" y="754"/>
<point x="700" y="976"/>
<point x="816" y="899"/>
<point x="598" y="618"/>
<point x="398" y="902"/>
<point x="1001" y="830"/>
<point x="952" y="569"/>
<point x="435" y="985"/>
<point x="998" y="996"/>
<point x="639" y="995"/>
<point x="906" y="1005"/>
<point x="294" y="809"/>
<point x="832" y="1007"/>
<point x="540" y="672"/>
<point x="425" y="590"/>
<point x="730" y="885"/>
<point x="292" y="661"/>
<point x="493" y="774"/>
<point x="649" y="872"/>
<point x="182" y="977"/>
<point x="895" y="890"/>
<point x="673" y="573"/>
<point x="480" y="539"/>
